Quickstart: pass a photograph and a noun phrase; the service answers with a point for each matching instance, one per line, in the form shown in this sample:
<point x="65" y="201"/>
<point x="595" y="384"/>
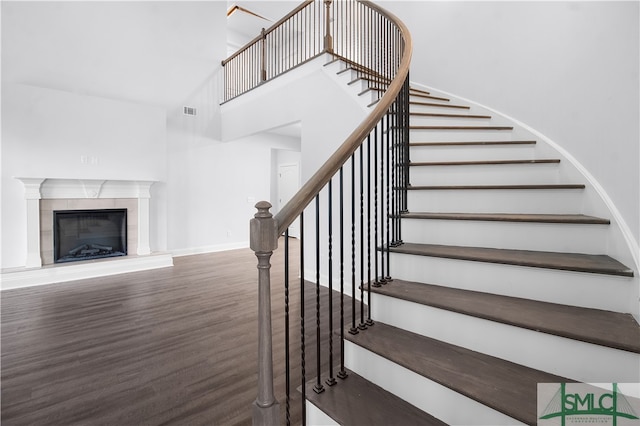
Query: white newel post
<point x="32" y="196"/>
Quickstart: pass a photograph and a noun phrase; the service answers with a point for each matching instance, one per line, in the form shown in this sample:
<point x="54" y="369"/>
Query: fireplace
<point x="128" y="249"/>
<point x="89" y="234"/>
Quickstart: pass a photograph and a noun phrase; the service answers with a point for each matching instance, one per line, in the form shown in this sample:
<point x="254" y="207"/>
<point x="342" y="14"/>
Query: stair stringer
<point x="620" y="242"/>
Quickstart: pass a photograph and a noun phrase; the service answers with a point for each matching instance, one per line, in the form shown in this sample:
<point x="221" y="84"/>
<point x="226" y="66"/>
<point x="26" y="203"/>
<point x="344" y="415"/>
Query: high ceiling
<point x="249" y="17"/>
<point x="151" y="52"/>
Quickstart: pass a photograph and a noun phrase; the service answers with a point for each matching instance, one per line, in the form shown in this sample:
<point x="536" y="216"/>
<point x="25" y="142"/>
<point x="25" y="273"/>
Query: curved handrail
<point x="309" y="190"/>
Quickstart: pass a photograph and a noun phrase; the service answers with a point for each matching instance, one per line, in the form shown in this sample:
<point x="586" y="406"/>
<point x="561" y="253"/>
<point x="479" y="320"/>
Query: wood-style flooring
<point x="173" y="346"/>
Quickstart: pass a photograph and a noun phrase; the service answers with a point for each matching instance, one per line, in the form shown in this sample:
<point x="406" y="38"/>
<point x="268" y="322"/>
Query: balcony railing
<point x="351" y="205"/>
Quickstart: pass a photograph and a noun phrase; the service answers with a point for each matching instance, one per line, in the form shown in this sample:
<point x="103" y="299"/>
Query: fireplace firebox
<point x="89" y="234"/>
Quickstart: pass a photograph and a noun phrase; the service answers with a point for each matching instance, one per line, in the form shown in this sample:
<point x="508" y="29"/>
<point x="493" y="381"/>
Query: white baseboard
<point x="210" y="249"/>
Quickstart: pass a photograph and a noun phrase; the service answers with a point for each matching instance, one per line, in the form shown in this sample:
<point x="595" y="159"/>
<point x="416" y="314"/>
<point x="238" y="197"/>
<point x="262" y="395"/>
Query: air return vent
<point x="189" y="111"/>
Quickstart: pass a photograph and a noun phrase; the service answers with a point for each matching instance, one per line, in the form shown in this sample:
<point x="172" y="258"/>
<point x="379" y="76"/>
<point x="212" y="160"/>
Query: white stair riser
<point x="333" y="66"/>
<point x="368" y="97"/>
<point x="462" y="117"/>
<point x="541" y="351"/>
<point x="344" y="78"/>
<point x="565" y="287"/>
<point x="439" y="107"/>
<point x="439" y="401"/>
<point x="571" y="238"/>
<point x="486" y="174"/>
<point x="420" y="135"/>
<point x="417" y="120"/>
<point x="492" y="201"/>
<point x="356" y="87"/>
<point x="423" y="98"/>
<point x="317" y="417"/>
<point x="472" y="153"/>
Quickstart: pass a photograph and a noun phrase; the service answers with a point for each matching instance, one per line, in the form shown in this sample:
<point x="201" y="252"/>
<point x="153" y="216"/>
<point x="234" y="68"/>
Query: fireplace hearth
<point x="89" y="234"/>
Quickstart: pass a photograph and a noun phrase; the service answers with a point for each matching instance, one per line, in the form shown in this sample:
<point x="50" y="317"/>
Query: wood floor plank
<point x="170" y="346"/>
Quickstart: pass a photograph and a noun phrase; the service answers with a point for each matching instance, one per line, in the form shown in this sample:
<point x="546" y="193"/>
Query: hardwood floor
<point x="170" y="346"/>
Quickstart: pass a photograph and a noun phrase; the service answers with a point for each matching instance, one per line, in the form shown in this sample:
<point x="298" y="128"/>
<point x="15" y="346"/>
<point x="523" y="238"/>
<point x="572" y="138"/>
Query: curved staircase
<point x="502" y="282"/>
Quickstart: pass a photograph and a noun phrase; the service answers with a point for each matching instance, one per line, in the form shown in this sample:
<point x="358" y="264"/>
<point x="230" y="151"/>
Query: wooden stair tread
<point x="577" y="262"/>
<point x="460" y="128"/>
<point x="413" y="89"/>
<point x="369" y="80"/>
<point x="494" y="187"/>
<point x="472" y="143"/>
<point x="371" y="89"/>
<point x="433" y="104"/>
<point x="605" y="328"/>
<point x="356" y="401"/>
<point x="502" y="385"/>
<point x="434" y="114"/>
<point x="511" y="217"/>
<point x="485" y="162"/>
<point x="421" y="95"/>
<point x="334" y="60"/>
<point x="353" y="66"/>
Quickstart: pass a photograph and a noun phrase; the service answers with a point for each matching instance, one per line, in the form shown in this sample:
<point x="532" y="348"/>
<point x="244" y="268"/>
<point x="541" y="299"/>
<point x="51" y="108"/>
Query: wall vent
<point x="189" y="111"/>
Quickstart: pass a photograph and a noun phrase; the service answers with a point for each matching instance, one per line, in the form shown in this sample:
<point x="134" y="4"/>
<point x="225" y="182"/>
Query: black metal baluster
<point x="393" y="164"/>
<point x="362" y="325"/>
<point x="331" y="380"/>
<point x="318" y="388"/>
<point x="286" y="329"/>
<point x="302" y="309"/>
<point x="353" y="329"/>
<point x="405" y="149"/>
<point x="376" y="268"/>
<point x="369" y="321"/>
<point x="407" y="141"/>
<point x="387" y="277"/>
<point x="342" y="373"/>
<point x="383" y="155"/>
<point x="398" y="169"/>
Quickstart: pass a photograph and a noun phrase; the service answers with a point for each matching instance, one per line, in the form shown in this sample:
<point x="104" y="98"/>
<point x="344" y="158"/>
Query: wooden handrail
<point x="309" y="190"/>
<point x="266" y="229"/>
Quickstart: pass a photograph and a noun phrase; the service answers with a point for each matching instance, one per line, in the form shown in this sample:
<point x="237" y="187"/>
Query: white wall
<point x="567" y="69"/>
<point x="213" y="189"/>
<point x="45" y="133"/>
<point x="310" y="95"/>
<point x="213" y="186"/>
<point x="112" y="94"/>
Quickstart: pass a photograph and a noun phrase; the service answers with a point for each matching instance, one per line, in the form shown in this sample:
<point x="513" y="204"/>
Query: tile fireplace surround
<point x="44" y="195"/>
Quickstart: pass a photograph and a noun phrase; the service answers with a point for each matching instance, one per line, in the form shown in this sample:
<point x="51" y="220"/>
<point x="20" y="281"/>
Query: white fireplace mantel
<point x="48" y="188"/>
<point x="36" y="189"/>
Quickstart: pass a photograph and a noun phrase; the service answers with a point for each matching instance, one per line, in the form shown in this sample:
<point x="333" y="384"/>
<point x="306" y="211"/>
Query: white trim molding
<point x="37" y="189"/>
